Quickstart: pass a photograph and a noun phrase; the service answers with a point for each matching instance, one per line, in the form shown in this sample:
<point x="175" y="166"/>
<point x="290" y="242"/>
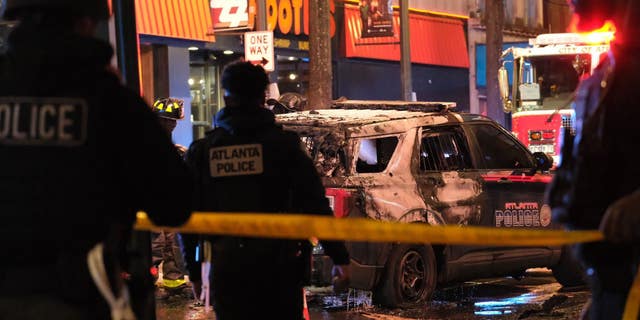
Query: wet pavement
<point x="536" y="296"/>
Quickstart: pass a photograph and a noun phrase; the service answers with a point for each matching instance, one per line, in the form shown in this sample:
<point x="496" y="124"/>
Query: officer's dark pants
<point x="31" y="307"/>
<point x="50" y="292"/>
<point x="611" y="270"/>
<point x="256" y="279"/>
<point x="263" y="289"/>
<point x="263" y="300"/>
<point x="167" y="247"/>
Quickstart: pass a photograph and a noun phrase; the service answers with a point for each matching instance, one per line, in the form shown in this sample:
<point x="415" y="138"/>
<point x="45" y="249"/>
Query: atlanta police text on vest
<point x="236" y="160"/>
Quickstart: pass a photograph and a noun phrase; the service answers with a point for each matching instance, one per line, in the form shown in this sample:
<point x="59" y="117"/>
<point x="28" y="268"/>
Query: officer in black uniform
<point x="599" y="170"/>
<point x="249" y="164"/>
<point x="80" y="154"/>
<point x="166" y="247"/>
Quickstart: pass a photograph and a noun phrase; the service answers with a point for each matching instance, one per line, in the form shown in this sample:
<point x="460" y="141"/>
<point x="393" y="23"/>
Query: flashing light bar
<point x="572" y="38"/>
<point x="553" y="50"/>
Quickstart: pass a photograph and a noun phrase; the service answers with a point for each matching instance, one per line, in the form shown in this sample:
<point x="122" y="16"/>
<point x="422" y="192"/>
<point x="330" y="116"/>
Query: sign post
<point x="258" y="49"/>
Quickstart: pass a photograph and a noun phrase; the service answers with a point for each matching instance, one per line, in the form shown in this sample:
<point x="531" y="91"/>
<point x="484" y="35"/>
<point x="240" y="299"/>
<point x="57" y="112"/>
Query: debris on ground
<point x="546" y="309"/>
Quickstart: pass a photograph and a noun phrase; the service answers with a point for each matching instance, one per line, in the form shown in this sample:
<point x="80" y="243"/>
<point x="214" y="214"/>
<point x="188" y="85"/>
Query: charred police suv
<point x="420" y="162"/>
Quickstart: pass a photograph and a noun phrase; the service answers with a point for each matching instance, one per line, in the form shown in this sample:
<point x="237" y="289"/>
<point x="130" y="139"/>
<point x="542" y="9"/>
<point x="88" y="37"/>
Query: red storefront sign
<point x="434" y="40"/>
<point x="233" y="14"/>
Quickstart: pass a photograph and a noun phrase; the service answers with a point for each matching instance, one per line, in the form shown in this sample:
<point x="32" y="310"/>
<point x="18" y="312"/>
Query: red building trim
<point x="434" y="40"/>
<point x="183" y="19"/>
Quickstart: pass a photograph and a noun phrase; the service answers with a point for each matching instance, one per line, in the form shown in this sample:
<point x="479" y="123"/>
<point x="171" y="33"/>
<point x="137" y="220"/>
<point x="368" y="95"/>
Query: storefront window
<point x="204" y="85"/>
<point x="204" y="89"/>
<point x="293" y="74"/>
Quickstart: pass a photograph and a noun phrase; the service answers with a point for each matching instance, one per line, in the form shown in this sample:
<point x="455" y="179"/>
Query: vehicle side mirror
<point x="503" y="84"/>
<point x="544" y="161"/>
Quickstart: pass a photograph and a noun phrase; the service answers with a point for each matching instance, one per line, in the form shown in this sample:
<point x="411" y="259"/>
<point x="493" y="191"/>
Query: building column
<point x="179" y="88"/>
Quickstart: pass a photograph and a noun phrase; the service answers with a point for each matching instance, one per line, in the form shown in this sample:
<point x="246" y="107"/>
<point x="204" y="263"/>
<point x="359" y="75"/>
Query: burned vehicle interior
<point x="422" y="162"/>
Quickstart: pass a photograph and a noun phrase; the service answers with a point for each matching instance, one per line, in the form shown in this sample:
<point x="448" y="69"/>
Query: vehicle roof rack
<point x="420" y="106"/>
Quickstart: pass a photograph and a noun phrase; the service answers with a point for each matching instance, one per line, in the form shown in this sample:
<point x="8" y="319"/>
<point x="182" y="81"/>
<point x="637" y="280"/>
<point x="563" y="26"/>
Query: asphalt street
<point x="536" y="296"/>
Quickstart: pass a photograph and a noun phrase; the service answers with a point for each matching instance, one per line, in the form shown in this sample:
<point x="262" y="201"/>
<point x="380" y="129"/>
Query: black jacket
<point x="61" y="198"/>
<point x="287" y="183"/>
<point x="599" y="164"/>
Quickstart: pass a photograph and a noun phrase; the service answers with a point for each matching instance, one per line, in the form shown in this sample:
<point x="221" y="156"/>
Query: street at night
<point x="535" y="296"/>
<point x="401" y="159"/>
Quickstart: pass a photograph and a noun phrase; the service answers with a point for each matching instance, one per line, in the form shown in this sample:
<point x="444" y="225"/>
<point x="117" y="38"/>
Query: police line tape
<point x="632" y="307"/>
<point x="297" y="226"/>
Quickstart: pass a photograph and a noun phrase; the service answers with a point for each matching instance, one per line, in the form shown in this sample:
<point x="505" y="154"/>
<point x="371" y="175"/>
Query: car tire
<point x="410" y="276"/>
<point x="569" y="272"/>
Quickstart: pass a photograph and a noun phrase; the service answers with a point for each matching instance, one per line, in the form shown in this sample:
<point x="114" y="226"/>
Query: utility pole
<point x="139" y="244"/>
<point x="320" y="73"/>
<point x="127" y="42"/>
<point x="405" y="51"/>
<point x="261" y="15"/>
<point x="495" y="25"/>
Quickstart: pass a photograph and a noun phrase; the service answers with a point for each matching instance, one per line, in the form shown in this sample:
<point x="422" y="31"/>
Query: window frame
<point x="356" y="152"/>
<point x="456" y="129"/>
<point x="478" y="150"/>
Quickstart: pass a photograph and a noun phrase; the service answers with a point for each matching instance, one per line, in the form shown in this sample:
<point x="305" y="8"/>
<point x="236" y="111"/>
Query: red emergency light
<point x="548" y="135"/>
<point x="605" y="33"/>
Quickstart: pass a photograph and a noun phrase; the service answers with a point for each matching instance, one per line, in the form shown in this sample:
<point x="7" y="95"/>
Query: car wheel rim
<point x="413" y="275"/>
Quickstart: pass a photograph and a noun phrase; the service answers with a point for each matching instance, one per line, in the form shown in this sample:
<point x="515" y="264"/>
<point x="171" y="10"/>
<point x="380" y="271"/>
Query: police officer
<point x="166" y="246"/>
<point x="80" y="155"/>
<point x="249" y="164"/>
<point x="599" y="171"/>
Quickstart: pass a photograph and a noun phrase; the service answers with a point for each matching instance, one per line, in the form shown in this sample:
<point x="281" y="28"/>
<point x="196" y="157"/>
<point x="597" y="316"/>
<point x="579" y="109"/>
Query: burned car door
<point x="442" y="176"/>
<point x="450" y="186"/>
<point x="381" y="170"/>
<point x="387" y="187"/>
<point x="515" y="194"/>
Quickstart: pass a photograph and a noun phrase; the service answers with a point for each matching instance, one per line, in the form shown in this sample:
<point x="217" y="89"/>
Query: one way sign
<point x="258" y="48"/>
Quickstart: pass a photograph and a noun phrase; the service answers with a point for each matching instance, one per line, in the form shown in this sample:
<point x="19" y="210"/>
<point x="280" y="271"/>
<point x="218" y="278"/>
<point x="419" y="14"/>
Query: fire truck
<point x="545" y="77"/>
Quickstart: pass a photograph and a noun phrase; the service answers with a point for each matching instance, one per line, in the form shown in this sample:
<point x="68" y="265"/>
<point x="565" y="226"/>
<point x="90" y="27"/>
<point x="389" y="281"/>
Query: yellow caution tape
<point x="296" y="226"/>
<point x="633" y="300"/>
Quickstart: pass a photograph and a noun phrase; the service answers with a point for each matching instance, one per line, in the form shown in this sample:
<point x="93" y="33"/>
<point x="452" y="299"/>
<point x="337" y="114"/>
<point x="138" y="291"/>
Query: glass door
<point x="205" y="96"/>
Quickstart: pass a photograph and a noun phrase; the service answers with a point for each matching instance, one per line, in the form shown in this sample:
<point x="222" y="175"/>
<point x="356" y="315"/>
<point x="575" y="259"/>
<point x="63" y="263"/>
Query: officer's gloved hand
<point x="621" y="221"/>
<point x="341" y="275"/>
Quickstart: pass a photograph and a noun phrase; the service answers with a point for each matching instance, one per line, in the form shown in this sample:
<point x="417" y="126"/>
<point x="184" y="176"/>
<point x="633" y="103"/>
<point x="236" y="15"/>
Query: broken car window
<point x="327" y="154"/>
<point x="374" y="154"/>
<point x="443" y="150"/>
<point x="499" y="150"/>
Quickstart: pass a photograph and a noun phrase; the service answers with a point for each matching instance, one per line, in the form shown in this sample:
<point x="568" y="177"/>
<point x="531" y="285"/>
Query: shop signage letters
<point x="288" y="17"/>
<point x="292" y="16"/>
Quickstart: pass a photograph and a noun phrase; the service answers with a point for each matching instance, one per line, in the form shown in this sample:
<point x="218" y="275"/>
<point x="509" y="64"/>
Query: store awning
<point x="434" y="40"/>
<point x="183" y="19"/>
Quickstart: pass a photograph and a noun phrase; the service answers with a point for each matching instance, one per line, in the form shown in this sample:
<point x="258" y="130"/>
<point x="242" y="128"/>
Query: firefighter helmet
<point x="98" y="9"/>
<point x="170" y="108"/>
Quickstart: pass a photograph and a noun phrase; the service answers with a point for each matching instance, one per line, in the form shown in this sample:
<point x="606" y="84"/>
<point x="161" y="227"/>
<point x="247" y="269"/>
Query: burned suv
<point x="419" y="162"/>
